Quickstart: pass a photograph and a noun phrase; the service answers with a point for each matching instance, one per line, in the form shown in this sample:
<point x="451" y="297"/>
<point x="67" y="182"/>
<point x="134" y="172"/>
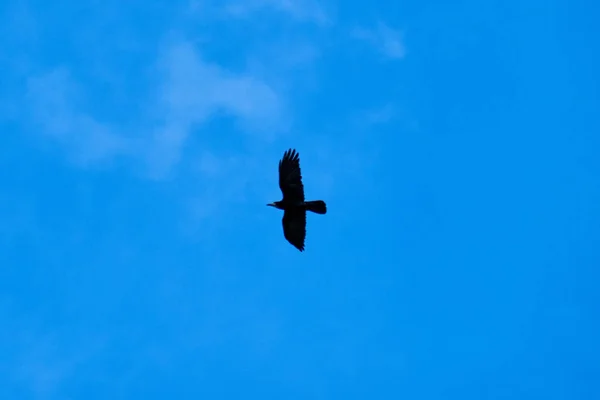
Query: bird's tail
<point x="316" y="206"/>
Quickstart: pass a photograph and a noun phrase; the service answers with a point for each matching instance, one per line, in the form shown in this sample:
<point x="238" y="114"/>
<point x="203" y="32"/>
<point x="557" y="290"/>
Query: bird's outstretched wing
<point x="294" y="227"/>
<point x="290" y="177"/>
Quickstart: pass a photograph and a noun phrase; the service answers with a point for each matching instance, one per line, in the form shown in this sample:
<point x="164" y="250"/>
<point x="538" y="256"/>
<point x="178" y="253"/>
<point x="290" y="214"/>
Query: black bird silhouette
<point x="293" y="205"/>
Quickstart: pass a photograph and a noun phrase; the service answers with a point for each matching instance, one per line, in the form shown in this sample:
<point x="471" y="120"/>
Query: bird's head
<point x="275" y="204"/>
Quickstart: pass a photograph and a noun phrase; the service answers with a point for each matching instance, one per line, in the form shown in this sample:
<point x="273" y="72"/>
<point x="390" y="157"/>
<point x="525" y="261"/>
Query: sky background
<point x="456" y="145"/>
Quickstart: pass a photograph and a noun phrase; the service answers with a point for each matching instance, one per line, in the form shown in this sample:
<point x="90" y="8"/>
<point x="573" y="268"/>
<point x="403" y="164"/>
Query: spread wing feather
<point x="294" y="227"/>
<point x="290" y="177"/>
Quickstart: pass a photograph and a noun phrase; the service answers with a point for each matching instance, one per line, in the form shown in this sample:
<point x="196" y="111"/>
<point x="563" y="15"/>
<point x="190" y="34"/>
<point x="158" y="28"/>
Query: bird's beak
<point x="271" y="204"/>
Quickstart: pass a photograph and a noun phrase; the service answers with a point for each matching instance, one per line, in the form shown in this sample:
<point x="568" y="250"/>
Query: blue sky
<point x="454" y="142"/>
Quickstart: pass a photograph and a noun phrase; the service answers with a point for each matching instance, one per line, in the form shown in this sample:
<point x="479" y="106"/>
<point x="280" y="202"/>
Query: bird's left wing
<point x="294" y="227"/>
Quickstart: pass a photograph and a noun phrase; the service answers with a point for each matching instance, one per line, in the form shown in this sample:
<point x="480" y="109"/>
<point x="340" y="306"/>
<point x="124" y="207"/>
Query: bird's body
<point x="293" y="204"/>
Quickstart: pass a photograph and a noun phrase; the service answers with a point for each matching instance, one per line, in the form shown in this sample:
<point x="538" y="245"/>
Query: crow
<point x="293" y="205"/>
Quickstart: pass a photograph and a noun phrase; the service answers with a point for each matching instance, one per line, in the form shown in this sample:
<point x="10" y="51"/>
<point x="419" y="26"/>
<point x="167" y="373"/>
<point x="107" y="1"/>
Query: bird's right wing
<point x="290" y="177"/>
<point x="294" y="227"/>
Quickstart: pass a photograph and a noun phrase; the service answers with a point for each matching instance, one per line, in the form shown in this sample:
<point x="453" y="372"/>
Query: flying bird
<point x="293" y="204"/>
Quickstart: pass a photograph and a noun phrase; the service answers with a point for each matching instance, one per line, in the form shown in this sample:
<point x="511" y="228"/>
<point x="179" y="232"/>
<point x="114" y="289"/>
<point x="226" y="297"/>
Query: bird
<point x="293" y="204"/>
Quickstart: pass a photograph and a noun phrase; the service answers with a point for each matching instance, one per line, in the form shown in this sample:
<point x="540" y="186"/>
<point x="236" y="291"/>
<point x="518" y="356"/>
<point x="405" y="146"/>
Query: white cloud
<point x="194" y="90"/>
<point x="301" y="10"/>
<point x="41" y="361"/>
<point x="190" y="92"/>
<point x="387" y="40"/>
<point x="43" y="373"/>
<point x="380" y="115"/>
<point x="53" y="97"/>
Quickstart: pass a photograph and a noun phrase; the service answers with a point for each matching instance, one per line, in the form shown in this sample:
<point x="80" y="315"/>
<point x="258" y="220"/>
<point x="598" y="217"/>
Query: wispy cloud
<point x="385" y="39"/>
<point x="380" y="115"/>
<point x="39" y="359"/>
<point x="190" y="92"/>
<point x="181" y="88"/>
<point x="53" y="98"/>
<point x="41" y="369"/>
<point x="194" y="90"/>
<point x="301" y="10"/>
